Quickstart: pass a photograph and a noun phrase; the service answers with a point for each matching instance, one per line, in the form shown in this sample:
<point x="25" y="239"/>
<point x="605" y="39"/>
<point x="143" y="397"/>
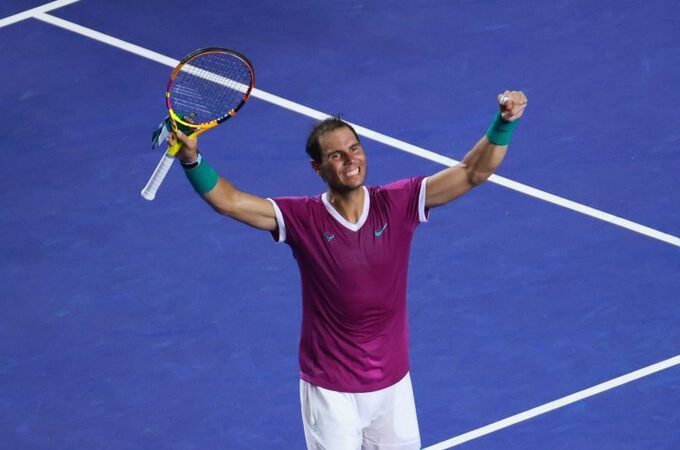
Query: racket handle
<point x="149" y="191"/>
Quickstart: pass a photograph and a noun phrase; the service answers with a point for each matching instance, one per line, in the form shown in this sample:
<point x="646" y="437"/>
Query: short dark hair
<point x="313" y="148"/>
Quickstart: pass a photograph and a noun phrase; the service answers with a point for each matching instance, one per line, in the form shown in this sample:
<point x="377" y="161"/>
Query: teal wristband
<point x="203" y="178"/>
<point x="500" y="131"/>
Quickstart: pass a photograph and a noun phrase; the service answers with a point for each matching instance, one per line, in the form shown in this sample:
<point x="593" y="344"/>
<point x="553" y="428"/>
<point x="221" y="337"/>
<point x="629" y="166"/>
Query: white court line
<point x="526" y="415"/>
<point x="29" y="13"/>
<point x="106" y="39"/>
<point x="384" y="139"/>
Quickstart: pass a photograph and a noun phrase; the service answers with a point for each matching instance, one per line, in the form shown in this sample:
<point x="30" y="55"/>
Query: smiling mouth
<point x="353" y="172"/>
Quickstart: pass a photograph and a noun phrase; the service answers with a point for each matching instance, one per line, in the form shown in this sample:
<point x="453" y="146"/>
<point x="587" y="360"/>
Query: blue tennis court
<point x="544" y="306"/>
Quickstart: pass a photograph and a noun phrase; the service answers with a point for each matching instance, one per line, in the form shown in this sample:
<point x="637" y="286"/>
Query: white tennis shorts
<point x="380" y="420"/>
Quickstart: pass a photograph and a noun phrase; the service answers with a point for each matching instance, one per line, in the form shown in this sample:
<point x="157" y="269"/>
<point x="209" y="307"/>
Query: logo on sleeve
<point x="328" y="236"/>
<point x="380" y="231"/>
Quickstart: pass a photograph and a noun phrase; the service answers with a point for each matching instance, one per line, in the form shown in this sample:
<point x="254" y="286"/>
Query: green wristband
<point x="500" y="131"/>
<point x="202" y="177"/>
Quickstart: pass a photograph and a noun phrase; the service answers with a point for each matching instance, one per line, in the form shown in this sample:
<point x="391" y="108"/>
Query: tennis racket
<point x="206" y="88"/>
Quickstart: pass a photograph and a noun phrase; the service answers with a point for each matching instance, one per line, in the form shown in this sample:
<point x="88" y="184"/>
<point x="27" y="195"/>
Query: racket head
<point x="208" y="87"/>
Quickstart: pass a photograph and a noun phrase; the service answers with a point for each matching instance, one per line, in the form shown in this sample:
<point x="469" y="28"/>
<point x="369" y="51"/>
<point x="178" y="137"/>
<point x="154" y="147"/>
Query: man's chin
<point x="348" y="186"/>
<point x="356" y="182"/>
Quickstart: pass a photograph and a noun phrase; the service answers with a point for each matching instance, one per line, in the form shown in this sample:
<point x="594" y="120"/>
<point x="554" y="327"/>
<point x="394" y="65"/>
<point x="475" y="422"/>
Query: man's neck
<point x="348" y="204"/>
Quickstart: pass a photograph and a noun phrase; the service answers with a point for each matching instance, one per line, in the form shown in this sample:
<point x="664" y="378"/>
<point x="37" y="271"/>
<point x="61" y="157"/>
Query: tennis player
<point x="351" y="244"/>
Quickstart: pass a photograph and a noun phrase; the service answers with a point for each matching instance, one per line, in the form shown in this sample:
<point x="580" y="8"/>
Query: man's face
<point x="343" y="163"/>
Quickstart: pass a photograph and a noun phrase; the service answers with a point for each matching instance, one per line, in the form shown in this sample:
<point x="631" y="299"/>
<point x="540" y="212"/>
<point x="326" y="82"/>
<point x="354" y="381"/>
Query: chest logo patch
<point x="377" y="233"/>
<point x="328" y="236"/>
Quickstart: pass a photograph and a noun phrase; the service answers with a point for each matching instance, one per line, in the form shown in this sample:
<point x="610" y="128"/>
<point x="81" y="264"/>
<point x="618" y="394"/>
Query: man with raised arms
<point x="351" y="244"/>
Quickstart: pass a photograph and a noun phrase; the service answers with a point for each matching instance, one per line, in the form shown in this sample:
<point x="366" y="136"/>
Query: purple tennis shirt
<point x="354" y="332"/>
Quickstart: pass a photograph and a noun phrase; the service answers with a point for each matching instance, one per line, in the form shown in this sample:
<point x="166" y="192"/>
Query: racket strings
<point x="209" y="86"/>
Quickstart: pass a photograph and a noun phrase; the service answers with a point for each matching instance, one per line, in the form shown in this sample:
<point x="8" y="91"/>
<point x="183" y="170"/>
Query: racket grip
<point x="149" y="191"/>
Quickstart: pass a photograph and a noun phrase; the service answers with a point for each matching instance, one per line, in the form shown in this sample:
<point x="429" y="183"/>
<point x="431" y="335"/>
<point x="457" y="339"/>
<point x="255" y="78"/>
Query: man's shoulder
<point x="298" y="199"/>
<point x="299" y="204"/>
<point x="404" y="184"/>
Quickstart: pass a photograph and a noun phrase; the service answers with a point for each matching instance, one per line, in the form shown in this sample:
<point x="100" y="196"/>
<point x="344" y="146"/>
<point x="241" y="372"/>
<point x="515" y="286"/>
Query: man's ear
<point x="316" y="167"/>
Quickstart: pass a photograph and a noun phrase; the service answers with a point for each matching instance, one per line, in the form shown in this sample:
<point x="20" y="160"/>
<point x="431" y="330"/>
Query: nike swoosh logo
<point x="380" y="231"/>
<point x="328" y="236"/>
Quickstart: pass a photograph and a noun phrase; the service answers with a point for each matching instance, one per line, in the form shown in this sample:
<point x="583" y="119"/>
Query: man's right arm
<point x="226" y="199"/>
<point x="249" y="209"/>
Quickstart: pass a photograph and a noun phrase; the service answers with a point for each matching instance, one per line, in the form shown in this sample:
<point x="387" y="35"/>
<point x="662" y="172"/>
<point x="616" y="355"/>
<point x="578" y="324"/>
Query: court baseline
<point x="30" y="13"/>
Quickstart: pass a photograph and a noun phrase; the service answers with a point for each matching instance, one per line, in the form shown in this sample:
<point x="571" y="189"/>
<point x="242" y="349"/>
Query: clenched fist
<point x="511" y="105"/>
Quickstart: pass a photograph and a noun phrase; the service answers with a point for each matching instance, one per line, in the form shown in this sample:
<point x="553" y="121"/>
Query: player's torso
<point x="361" y="268"/>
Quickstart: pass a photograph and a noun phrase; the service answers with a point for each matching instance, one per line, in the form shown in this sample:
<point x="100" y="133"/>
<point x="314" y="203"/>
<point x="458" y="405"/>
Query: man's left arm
<point x="484" y="157"/>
